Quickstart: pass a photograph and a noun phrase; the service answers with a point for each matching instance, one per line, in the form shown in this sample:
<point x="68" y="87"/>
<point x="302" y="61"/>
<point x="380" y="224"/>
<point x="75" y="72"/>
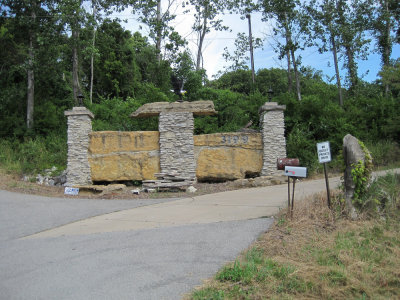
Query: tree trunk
<point x="253" y="77"/>
<point x="296" y="75"/>
<point x="290" y="51"/>
<point x="75" y="66"/>
<point x="31" y="81"/>
<point x="352" y="68"/>
<point x="159" y="31"/>
<point x="289" y="70"/>
<point x="335" y="60"/>
<point x="92" y="58"/>
<point x="201" y="38"/>
<point x="387" y="44"/>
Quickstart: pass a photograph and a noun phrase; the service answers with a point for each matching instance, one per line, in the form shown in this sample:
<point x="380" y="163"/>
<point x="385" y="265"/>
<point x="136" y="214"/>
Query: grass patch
<point x="33" y="155"/>
<point x="384" y="153"/>
<point x="318" y="254"/>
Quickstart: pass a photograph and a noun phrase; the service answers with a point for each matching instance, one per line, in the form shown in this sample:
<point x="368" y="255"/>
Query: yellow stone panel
<point x="127" y="166"/>
<point x="106" y="142"/>
<point x="231" y="139"/>
<point x="227" y="163"/>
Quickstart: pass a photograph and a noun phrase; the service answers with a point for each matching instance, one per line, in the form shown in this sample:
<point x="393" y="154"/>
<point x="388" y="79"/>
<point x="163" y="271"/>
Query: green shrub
<point x="114" y="114"/>
<point x="33" y="155"/>
<point x="383" y="194"/>
<point x="384" y="152"/>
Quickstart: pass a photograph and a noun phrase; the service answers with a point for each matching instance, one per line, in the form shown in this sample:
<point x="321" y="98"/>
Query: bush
<point x="384" y="152"/>
<point x="33" y="155"/>
<point x="383" y="195"/>
<point x="114" y="114"/>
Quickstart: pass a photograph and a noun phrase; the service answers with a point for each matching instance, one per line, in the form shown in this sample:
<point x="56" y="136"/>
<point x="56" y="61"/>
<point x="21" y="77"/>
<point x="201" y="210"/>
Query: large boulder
<point x="355" y="156"/>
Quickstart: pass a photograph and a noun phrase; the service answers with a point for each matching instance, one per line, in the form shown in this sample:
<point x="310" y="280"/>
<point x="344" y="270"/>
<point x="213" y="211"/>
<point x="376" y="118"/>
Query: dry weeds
<point x="331" y="258"/>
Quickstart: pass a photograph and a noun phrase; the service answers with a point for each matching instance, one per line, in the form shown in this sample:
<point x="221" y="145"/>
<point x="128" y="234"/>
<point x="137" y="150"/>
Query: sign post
<point x="324" y="156"/>
<point x="294" y="172"/>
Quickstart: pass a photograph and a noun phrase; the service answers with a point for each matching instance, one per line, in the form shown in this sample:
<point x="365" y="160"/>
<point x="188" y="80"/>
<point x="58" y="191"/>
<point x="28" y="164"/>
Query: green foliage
<point x="235" y="110"/>
<point x="310" y="121"/>
<point x="33" y="155"/>
<point x="384" y="153"/>
<point x="238" y="273"/>
<point x="114" y="114"/>
<point x="382" y="195"/>
<point x="390" y="76"/>
<point x="208" y="294"/>
<point x="237" y="81"/>
<point x="361" y="173"/>
<point x="116" y="72"/>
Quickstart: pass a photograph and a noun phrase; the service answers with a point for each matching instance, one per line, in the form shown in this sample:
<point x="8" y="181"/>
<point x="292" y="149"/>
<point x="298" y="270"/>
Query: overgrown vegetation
<point x="54" y="46"/>
<point x="33" y="155"/>
<point x="319" y="254"/>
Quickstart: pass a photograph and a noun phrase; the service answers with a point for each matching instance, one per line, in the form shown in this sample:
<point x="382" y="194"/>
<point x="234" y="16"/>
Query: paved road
<point x="157" y="263"/>
<point x="56" y="248"/>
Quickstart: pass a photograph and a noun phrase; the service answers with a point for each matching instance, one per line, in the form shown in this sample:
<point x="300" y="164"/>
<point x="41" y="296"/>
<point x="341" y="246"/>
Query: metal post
<point x="288" y="191"/>
<point x="294" y="184"/>
<point x="327" y="186"/>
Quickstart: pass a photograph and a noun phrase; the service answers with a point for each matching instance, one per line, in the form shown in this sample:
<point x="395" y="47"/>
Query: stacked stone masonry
<point x="273" y="136"/>
<point x="118" y="156"/>
<point x="176" y="144"/>
<point x="79" y="127"/>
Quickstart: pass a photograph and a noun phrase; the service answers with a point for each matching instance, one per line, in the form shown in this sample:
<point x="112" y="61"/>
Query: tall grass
<point x="384" y="153"/>
<point x="33" y="155"/>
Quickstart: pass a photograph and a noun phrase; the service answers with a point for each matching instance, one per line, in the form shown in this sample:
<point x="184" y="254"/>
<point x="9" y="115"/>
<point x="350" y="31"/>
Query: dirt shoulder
<point x="15" y="183"/>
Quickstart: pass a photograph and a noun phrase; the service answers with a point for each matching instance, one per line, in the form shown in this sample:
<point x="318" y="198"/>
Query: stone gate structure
<point x="122" y="156"/>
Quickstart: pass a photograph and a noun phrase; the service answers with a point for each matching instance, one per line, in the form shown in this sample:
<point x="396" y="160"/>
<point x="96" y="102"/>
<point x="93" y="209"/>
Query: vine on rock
<point x="361" y="173"/>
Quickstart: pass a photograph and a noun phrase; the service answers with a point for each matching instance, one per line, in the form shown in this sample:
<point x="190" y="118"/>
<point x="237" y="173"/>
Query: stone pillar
<point x="176" y="144"/>
<point x="79" y="127"/>
<point x="273" y="136"/>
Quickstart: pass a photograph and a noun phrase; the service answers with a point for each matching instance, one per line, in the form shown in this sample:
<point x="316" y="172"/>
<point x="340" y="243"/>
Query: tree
<point x="151" y="13"/>
<point x="383" y="26"/>
<point x="326" y="33"/>
<point x="239" y="58"/>
<point x="115" y="72"/>
<point x="24" y="14"/>
<point x="206" y="18"/>
<point x="390" y="75"/>
<point x="289" y="23"/>
<point x="75" y="17"/>
<point x="352" y="25"/>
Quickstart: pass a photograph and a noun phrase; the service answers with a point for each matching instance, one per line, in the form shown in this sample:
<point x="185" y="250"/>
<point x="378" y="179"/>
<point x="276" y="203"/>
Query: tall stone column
<point x="176" y="144"/>
<point x="176" y="125"/>
<point x="273" y="135"/>
<point x="79" y="127"/>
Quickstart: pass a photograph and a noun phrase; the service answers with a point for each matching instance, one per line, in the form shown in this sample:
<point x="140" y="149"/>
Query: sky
<point x="265" y="57"/>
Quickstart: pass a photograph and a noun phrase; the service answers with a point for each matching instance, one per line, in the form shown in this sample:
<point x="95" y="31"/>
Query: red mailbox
<point x="281" y="163"/>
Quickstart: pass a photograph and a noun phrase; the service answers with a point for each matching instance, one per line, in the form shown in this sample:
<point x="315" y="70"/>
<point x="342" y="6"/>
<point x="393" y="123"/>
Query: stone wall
<point x="223" y="156"/>
<point x="118" y="156"/>
<point x="115" y="156"/>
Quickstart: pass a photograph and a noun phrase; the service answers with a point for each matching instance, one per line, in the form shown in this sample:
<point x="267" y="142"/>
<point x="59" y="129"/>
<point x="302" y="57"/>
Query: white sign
<point x="71" y="191"/>
<point x="324" y="152"/>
